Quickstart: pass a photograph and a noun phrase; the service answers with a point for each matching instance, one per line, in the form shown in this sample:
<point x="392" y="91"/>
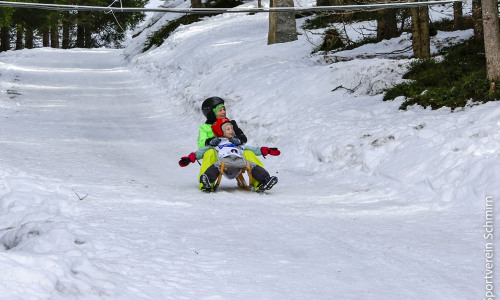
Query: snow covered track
<point x="73" y="128"/>
<point x="94" y="206"/>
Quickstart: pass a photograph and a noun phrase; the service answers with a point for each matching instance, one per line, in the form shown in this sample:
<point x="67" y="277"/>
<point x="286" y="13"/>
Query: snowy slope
<point x="372" y="202"/>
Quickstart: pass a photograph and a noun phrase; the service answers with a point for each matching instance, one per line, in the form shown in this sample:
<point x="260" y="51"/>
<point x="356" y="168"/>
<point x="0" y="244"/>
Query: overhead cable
<point x="63" y="7"/>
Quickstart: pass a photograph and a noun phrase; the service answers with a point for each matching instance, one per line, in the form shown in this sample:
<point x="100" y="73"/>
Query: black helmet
<point x="208" y="105"/>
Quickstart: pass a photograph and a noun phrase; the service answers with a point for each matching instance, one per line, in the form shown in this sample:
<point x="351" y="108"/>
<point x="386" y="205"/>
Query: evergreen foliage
<point x="6" y="16"/>
<point x="109" y="29"/>
<point x="455" y="80"/>
<point x="161" y="35"/>
<point x="87" y="28"/>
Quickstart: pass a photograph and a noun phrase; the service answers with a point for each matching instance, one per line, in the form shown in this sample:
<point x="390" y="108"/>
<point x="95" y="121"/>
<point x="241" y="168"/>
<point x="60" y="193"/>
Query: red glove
<point x="271" y="151"/>
<point x="186" y="160"/>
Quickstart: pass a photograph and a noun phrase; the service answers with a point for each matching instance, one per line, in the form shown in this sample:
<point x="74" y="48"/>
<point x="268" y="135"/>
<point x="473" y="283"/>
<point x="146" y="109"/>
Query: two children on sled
<point x="225" y="150"/>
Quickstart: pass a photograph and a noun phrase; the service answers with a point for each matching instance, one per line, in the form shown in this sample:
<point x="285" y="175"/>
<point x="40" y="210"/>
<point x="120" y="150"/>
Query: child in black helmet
<point x="229" y="150"/>
<point x="213" y="109"/>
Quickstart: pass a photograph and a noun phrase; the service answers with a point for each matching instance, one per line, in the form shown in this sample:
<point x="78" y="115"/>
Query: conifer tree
<point x="5" y="24"/>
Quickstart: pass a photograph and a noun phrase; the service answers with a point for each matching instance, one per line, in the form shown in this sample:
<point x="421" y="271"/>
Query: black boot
<point x="268" y="183"/>
<point x="205" y="182"/>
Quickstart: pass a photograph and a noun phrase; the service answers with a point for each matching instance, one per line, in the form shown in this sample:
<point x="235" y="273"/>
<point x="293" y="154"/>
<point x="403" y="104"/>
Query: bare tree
<point x="282" y="25"/>
<point x="477" y="16"/>
<point x="420" y="32"/>
<point x="458" y="16"/>
<point x="387" y="24"/>
<point x="54" y="37"/>
<point x="196" y="4"/>
<point x="491" y="40"/>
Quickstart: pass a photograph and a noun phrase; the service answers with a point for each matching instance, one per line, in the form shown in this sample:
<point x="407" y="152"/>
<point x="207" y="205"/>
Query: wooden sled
<point x="240" y="179"/>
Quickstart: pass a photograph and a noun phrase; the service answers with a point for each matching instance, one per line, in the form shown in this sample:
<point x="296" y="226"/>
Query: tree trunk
<point x="477" y="15"/>
<point x="491" y="39"/>
<point x="334" y="2"/>
<point x="420" y="32"/>
<point x="88" y="37"/>
<point x="45" y="38"/>
<point x="5" y="39"/>
<point x="282" y="26"/>
<point x="80" y="30"/>
<point x="80" y="36"/>
<point x="458" y="18"/>
<point x="54" y="37"/>
<point x="19" y="38"/>
<point x="28" y="38"/>
<point x="66" y="28"/>
<point x="196" y="4"/>
<point x="387" y="24"/>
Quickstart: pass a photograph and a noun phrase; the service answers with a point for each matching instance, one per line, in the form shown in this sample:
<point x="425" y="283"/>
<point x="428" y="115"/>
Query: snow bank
<point x="327" y="117"/>
<point x="40" y="256"/>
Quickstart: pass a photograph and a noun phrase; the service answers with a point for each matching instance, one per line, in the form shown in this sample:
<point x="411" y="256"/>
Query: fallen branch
<point x="348" y="89"/>
<point x="80" y="198"/>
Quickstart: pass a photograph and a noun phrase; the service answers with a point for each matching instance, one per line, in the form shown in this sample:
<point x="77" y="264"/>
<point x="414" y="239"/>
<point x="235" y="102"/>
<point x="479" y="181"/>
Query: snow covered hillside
<point x="372" y="202"/>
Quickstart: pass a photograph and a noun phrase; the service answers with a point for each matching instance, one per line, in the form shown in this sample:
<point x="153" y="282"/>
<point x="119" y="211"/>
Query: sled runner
<point x="240" y="179"/>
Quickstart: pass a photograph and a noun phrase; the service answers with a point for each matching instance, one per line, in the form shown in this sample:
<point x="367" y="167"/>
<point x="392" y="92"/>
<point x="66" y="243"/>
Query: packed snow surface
<point x="372" y="202"/>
